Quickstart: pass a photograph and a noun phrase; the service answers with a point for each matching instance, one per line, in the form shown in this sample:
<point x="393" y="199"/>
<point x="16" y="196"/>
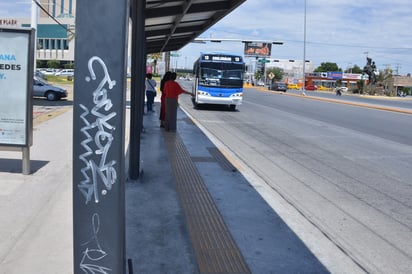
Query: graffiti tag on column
<point x="94" y="254"/>
<point x="98" y="133"/>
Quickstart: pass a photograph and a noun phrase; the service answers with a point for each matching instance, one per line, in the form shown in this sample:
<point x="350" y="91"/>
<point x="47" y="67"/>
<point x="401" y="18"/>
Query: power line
<point x="332" y="44"/>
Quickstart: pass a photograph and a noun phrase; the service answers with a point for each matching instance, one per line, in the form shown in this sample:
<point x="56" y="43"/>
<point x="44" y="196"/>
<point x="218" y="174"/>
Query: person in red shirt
<point x="162" y="116"/>
<point x="172" y="91"/>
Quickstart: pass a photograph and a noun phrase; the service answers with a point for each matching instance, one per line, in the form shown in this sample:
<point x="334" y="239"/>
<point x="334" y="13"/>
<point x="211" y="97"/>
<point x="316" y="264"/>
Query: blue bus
<point x="218" y="79"/>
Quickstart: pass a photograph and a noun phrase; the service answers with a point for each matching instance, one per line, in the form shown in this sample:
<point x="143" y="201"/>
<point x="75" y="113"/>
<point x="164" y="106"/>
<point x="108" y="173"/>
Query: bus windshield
<point x="221" y="74"/>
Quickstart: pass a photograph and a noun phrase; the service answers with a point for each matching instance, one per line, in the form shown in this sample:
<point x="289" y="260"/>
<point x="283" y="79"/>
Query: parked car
<point x="48" y="71"/>
<point x="293" y="86"/>
<point x="323" y="88"/>
<point x="43" y="89"/>
<point x="65" y="72"/>
<point x="342" y="89"/>
<point x="311" y="87"/>
<point x="279" y="86"/>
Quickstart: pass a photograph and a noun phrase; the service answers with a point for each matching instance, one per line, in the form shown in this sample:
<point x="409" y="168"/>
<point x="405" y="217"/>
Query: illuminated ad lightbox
<point x="258" y="49"/>
<point x="16" y="65"/>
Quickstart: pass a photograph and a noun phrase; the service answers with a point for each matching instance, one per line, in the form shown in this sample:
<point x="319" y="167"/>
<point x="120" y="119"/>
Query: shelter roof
<point x="171" y="24"/>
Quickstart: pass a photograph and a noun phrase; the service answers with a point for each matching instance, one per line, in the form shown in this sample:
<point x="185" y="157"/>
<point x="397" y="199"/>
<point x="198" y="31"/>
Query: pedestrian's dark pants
<point x="171" y="114"/>
<point x="150" y="95"/>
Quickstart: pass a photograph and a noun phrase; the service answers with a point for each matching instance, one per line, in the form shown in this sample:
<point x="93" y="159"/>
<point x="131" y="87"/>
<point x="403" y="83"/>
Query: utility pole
<point x="304" y="51"/>
<point x="33" y="24"/>
<point x="398" y="66"/>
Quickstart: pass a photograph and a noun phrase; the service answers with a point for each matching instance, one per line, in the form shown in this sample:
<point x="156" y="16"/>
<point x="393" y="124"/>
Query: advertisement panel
<point x="335" y="75"/>
<point x="258" y="49"/>
<point x="16" y="67"/>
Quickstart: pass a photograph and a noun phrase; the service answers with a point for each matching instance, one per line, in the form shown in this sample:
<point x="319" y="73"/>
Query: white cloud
<point x="339" y="31"/>
<point x="336" y="31"/>
<point x="15" y="9"/>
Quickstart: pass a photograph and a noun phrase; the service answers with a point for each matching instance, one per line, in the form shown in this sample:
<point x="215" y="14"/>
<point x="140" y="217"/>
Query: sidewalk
<point x="36" y="210"/>
<point x="168" y="229"/>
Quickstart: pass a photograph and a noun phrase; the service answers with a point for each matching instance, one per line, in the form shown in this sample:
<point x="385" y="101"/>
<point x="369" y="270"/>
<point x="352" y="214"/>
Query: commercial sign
<point x="8" y="22"/>
<point x="16" y="82"/>
<point x="335" y="75"/>
<point x="353" y="76"/>
<point x="258" y="49"/>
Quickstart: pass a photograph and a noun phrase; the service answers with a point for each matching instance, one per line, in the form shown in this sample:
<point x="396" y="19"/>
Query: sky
<point x="338" y="31"/>
<point x="344" y="32"/>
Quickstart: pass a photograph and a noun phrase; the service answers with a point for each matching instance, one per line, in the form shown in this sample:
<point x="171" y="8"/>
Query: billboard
<point x="16" y="82"/>
<point x="258" y="49"/>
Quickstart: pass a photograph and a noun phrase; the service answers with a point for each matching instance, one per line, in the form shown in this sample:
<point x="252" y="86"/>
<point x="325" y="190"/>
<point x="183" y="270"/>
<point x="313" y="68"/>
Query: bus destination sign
<point x="221" y="58"/>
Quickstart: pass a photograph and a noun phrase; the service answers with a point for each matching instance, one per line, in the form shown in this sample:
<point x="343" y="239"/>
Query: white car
<point x="65" y="72"/>
<point x="342" y="89"/>
<point x="48" y="71"/>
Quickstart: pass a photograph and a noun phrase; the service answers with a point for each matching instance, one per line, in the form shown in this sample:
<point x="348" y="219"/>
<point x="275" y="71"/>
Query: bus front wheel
<point x="195" y="105"/>
<point x="232" y="107"/>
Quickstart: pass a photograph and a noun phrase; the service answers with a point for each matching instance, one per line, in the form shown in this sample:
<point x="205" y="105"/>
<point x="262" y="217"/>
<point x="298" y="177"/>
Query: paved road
<point x="395" y="102"/>
<point x="44" y="110"/>
<point x="345" y="169"/>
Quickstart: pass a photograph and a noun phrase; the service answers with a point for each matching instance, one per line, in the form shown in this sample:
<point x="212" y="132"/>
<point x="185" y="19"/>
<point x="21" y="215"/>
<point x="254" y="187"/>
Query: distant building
<point x="330" y="78"/>
<point x="55" y="40"/>
<point x="293" y="69"/>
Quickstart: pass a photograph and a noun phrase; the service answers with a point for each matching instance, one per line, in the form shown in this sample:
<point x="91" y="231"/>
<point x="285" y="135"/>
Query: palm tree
<point x="154" y="57"/>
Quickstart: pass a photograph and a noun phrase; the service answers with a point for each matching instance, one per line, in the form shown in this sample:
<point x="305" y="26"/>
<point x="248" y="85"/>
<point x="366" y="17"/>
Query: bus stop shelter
<point x="102" y="34"/>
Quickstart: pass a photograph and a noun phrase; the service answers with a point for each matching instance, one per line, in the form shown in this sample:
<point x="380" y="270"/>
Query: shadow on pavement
<point x="15" y="165"/>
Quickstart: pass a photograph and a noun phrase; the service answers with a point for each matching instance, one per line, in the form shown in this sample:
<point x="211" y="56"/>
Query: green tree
<point x="327" y="66"/>
<point x="53" y="64"/>
<point x="41" y="63"/>
<point x="354" y="69"/>
<point x="277" y="72"/>
<point x="69" y="66"/>
<point x="153" y="58"/>
<point x="386" y="80"/>
<point x="258" y="75"/>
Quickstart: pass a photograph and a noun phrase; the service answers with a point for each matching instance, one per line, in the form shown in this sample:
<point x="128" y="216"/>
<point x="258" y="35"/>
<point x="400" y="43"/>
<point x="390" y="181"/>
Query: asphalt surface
<point x="36" y="209"/>
<point x="344" y="168"/>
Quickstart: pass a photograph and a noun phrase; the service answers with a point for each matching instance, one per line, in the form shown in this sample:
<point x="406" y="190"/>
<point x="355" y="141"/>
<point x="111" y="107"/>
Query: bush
<point x="69" y="66"/>
<point x="53" y="64"/>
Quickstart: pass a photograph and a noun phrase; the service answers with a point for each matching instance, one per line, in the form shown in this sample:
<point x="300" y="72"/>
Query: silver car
<point x="43" y="89"/>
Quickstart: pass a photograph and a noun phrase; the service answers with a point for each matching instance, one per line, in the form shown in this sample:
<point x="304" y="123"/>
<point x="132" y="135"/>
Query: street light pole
<point x="304" y="50"/>
<point x="34" y="19"/>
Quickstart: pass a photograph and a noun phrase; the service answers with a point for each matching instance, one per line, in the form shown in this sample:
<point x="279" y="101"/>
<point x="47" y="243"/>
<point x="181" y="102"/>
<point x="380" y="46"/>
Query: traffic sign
<point x="271" y="76"/>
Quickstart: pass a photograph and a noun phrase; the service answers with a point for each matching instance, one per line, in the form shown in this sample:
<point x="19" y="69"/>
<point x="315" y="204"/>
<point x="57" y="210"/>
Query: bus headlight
<point x="237" y="94"/>
<point x="204" y="93"/>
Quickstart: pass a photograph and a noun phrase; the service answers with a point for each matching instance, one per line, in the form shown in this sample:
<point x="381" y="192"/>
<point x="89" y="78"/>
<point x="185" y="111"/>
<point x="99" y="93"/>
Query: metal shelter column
<point x="137" y="85"/>
<point x="98" y="136"/>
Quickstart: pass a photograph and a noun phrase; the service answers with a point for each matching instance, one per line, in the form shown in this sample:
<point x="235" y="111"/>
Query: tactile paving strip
<point x="215" y="249"/>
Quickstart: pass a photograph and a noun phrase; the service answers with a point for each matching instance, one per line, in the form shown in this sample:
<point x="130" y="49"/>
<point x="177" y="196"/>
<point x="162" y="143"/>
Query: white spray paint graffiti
<point x="94" y="254"/>
<point x="102" y="139"/>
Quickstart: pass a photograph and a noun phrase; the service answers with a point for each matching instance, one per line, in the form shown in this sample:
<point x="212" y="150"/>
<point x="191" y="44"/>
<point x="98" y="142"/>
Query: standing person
<point x="173" y="90"/>
<point x="150" y="92"/>
<point x="162" y="115"/>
